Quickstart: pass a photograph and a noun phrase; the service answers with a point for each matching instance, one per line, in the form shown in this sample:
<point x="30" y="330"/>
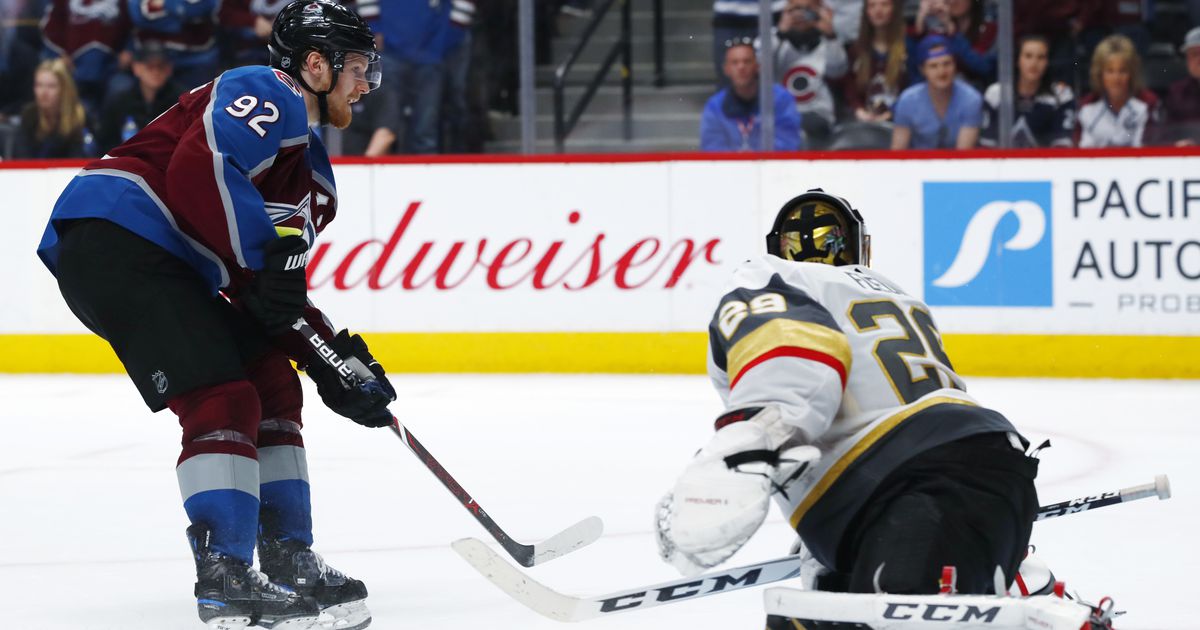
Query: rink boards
<point x="1054" y="265"/>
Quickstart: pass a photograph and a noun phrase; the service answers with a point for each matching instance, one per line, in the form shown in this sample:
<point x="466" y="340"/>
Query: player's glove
<point x="365" y="404"/>
<point x="280" y="290"/>
<point x="723" y="495"/>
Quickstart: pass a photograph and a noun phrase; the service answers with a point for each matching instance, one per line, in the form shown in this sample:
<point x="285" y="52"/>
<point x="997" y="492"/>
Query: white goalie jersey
<point x="857" y="369"/>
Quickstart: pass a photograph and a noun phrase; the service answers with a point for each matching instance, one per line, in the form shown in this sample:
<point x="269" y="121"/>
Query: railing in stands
<point x="564" y="123"/>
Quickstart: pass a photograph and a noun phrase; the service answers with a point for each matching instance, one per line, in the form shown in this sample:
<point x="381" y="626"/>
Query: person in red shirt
<point x="1182" y="105"/>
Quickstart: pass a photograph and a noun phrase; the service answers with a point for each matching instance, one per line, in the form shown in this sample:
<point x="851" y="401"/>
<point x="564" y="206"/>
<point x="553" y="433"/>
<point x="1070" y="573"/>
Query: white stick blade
<point x="903" y="612"/>
<point x="516" y="584"/>
<point x="580" y="534"/>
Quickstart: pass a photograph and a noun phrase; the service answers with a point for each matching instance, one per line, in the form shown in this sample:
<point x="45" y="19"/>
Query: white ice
<point x="91" y="527"/>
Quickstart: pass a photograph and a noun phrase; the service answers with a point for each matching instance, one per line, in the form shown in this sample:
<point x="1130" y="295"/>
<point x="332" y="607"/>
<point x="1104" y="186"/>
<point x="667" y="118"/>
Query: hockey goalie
<point x="842" y="404"/>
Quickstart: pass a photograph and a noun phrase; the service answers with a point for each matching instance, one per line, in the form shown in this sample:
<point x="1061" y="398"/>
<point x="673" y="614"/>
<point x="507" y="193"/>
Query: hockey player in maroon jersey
<point x="185" y="248"/>
<point x="843" y="405"/>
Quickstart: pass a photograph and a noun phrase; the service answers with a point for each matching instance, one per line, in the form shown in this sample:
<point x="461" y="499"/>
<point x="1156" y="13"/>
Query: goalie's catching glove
<point x="724" y="494"/>
<point x="365" y="404"/>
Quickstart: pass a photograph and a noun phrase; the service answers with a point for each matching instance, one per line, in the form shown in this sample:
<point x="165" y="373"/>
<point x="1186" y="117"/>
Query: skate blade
<point x="347" y="616"/>
<point x="228" y="623"/>
<point x="295" y="623"/>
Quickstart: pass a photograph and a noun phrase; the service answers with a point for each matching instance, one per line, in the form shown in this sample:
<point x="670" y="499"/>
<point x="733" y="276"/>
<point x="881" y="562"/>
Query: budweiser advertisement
<point x="530" y="247"/>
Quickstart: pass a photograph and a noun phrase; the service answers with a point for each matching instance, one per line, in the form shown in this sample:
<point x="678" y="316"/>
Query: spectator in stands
<point x="1057" y="21"/>
<point x="20" y="51"/>
<point x="879" y="61"/>
<point x="458" y="64"/>
<point x="733" y="20"/>
<point x="90" y="35"/>
<point x="847" y="19"/>
<point x="731" y="119"/>
<point x="943" y="112"/>
<point x="972" y="39"/>
<point x="414" y="36"/>
<point x="807" y="57"/>
<point x="376" y="125"/>
<point x="1099" y="18"/>
<point x="187" y="30"/>
<point x="1044" y="111"/>
<point x="245" y="27"/>
<point x="53" y="125"/>
<point x="126" y="112"/>
<point x="1120" y="111"/>
<point x="1182" y="104"/>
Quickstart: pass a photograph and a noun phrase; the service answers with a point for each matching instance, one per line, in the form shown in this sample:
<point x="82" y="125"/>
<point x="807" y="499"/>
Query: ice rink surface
<point x="92" y="532"/>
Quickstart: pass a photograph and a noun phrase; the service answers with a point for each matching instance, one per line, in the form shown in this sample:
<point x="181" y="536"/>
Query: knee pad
<point x="280" y="398"/>
<point x="219" y="419"/>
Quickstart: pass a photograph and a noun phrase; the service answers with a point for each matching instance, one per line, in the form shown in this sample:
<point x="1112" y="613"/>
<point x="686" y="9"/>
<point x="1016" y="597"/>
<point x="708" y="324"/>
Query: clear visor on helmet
<point x="365" y="67"/>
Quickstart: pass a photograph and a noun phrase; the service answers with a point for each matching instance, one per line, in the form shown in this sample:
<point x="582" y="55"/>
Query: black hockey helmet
<point x="822" y="228"/>
<point x="328" y="28"/>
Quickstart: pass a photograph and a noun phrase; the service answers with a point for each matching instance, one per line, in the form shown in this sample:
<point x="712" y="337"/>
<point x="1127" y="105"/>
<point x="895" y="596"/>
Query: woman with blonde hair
<point x="1119" y="110"/>
<point x="879" y="60"/>
<point x="53" y="125"/>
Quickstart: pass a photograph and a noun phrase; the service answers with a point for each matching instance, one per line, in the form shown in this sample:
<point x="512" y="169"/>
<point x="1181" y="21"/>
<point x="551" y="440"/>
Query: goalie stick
<point x="561" y="607"/>
<point x="357" y="374"/>
<point x="1161" y="488"/>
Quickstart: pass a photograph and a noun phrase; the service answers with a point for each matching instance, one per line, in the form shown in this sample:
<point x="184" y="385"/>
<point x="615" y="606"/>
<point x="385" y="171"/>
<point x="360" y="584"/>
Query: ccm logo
<point x="681" y="591"/>
<point x="941" y="612"/>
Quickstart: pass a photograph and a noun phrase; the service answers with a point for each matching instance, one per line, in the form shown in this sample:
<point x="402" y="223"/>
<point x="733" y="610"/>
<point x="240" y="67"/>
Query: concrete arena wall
<point x="1048" y="264"/>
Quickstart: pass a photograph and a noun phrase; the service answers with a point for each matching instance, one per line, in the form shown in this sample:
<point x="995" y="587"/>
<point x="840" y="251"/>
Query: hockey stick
<point x="559" y="607"/>
<point x="580" y="534"/>
<point x="550" y="603"/>
<point x="1161" y="488"/>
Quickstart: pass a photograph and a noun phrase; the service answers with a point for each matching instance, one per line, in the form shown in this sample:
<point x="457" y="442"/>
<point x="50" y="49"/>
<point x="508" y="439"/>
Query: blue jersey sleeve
<point x="256" y="115"/>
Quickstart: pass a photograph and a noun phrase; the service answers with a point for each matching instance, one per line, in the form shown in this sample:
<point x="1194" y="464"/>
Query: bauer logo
<point x="988" y="244"/>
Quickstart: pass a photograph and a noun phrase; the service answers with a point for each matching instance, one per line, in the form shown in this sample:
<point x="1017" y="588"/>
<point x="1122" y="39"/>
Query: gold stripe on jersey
<point x="789" y="333"/>
<point x="881" y="429"/>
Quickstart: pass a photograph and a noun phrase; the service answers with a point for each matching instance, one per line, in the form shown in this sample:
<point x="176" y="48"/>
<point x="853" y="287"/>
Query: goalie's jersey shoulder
<point x="769" y="291"/>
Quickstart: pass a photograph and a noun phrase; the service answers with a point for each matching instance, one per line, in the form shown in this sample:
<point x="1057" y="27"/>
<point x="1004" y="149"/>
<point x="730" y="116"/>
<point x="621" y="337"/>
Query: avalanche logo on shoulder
<point x="988" y="244"/>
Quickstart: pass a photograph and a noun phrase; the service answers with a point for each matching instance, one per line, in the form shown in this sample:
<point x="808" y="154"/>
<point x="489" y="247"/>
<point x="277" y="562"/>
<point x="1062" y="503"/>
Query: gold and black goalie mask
<point x="818" y="227"/>
<point x="815" y="232"/>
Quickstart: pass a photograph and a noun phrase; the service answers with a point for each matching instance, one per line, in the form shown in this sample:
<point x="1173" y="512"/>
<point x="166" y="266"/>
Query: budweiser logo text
<point x="559" y="264"/>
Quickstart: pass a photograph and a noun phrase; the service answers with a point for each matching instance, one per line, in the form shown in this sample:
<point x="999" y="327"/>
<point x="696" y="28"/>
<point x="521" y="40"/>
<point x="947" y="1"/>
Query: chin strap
<point x="335" y="64"/>
<point x="322" y="103"/>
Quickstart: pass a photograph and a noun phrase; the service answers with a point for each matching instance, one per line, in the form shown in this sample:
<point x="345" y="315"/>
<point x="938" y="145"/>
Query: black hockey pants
<point x="969" y="503"/>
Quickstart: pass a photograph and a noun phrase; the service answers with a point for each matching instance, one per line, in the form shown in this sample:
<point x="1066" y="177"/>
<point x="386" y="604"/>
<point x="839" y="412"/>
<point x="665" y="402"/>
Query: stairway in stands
<point x="664" y="118"/>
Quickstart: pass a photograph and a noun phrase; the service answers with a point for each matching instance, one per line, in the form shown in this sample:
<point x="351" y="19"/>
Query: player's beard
<point x="339" y="112"/>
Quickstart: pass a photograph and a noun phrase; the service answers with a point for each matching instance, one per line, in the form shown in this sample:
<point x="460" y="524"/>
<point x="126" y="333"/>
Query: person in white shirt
<point x="1120" y="110"/>
<point x="806" y="55"/>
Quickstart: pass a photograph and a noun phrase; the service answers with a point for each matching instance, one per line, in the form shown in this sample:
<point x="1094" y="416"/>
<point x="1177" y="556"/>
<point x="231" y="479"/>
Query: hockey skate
<point x="341" y="599"/>
<point x="1034" y="578"/>
<point x="231" y="595"/>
